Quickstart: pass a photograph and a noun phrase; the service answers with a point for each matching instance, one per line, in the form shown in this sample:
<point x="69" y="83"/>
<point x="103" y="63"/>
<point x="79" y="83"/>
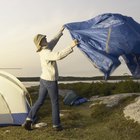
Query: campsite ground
<point x="80" y="122"/>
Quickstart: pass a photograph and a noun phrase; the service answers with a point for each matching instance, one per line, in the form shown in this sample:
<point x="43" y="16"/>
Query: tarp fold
<point x="105" y="38"/>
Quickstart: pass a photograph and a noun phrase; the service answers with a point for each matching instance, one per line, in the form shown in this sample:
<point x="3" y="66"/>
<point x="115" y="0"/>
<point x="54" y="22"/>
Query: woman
<point x="48" y="78"/>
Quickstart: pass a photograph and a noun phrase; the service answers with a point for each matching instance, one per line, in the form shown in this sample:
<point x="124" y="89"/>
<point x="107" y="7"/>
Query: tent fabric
<point x="107" y="37"/>
<point x="72" y="98"/>
<point x="14" y="105"/>
<point x="5" y="114"/>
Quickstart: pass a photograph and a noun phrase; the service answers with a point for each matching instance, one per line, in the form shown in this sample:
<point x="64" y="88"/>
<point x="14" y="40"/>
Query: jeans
<point x="47" y="88"/>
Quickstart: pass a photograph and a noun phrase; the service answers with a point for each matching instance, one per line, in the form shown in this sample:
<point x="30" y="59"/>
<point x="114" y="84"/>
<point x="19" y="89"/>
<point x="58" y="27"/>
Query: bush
<point x="102" y="89"/>
<point x="128" y="86"/>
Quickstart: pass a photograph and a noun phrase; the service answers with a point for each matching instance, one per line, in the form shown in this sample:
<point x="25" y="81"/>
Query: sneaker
<point x="59" y="128"/>
<point x="40" y="125"/>
<point x="27" y="125"/>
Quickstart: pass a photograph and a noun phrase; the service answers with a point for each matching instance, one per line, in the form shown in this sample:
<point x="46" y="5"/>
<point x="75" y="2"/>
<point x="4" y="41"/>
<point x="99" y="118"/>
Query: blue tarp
<point x="107" y="37"/>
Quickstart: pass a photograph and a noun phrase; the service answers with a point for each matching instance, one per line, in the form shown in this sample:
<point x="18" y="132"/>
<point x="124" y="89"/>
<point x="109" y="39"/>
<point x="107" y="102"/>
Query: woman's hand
<point x="62" y="28"/>
<point x="74" y="43"/>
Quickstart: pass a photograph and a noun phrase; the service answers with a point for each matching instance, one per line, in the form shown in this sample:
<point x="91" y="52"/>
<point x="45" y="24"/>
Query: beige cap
<point x="37" y="40"/>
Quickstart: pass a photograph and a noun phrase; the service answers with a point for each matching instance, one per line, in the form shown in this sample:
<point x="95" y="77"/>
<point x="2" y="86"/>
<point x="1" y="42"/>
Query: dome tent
<point x="14" y="105"/>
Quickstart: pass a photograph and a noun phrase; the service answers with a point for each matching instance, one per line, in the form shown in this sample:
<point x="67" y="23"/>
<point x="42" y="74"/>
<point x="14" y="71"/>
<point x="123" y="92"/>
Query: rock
<point x="111" y="100"/>
<point x="61" y="115"/>
<point x="93" y="104"/>
<point x="132" y="111"/>
<point x="6" y="131"/>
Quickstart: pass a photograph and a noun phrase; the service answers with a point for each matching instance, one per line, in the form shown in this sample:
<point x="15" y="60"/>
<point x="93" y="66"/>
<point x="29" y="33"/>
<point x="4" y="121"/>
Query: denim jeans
<point x="47" y="88"/>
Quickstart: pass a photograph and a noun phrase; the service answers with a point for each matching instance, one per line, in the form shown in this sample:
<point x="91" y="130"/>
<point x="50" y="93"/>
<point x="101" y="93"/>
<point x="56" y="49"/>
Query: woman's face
<point x="43" y="42"/>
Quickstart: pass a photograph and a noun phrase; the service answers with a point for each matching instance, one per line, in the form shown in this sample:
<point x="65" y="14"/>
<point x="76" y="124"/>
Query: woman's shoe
<point x="58" y="128"/>
<point x="27" y="125"/>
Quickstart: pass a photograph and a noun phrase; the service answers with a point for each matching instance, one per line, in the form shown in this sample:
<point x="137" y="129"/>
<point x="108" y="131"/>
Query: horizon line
<point x="10" y="68"/>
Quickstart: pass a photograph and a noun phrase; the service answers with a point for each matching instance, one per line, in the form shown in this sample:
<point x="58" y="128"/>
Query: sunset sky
<point x="21" y="20"/>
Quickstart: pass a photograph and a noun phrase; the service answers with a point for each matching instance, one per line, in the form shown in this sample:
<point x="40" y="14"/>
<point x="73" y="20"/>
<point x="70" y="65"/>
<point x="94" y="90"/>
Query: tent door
<point x="5" y="113"/>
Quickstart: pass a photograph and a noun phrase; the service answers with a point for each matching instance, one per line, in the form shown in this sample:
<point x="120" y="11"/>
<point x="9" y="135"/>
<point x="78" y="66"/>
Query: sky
<point x="21" y="20"/>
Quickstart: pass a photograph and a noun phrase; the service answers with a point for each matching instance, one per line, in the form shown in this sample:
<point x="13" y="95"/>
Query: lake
<point x="34" y="83"/>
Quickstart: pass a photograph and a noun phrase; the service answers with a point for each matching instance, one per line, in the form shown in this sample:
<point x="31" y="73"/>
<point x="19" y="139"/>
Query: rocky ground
<point x="131" y="111"/>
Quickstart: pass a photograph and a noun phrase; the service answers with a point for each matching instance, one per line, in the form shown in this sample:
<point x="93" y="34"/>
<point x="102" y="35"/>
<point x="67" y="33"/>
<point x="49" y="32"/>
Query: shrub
<point x="102" y="89"/>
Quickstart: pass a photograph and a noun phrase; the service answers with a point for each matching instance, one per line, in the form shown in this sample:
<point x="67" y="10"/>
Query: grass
<point x="80" y="122"/>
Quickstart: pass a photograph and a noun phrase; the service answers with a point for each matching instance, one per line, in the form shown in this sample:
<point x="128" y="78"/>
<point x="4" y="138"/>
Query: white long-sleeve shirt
<point x="48" y="59"/>
<point x="48" y="63"/>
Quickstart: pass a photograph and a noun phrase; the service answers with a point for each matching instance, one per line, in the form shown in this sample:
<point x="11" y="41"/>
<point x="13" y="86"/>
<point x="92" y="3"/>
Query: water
<point x="29" y="84"/>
